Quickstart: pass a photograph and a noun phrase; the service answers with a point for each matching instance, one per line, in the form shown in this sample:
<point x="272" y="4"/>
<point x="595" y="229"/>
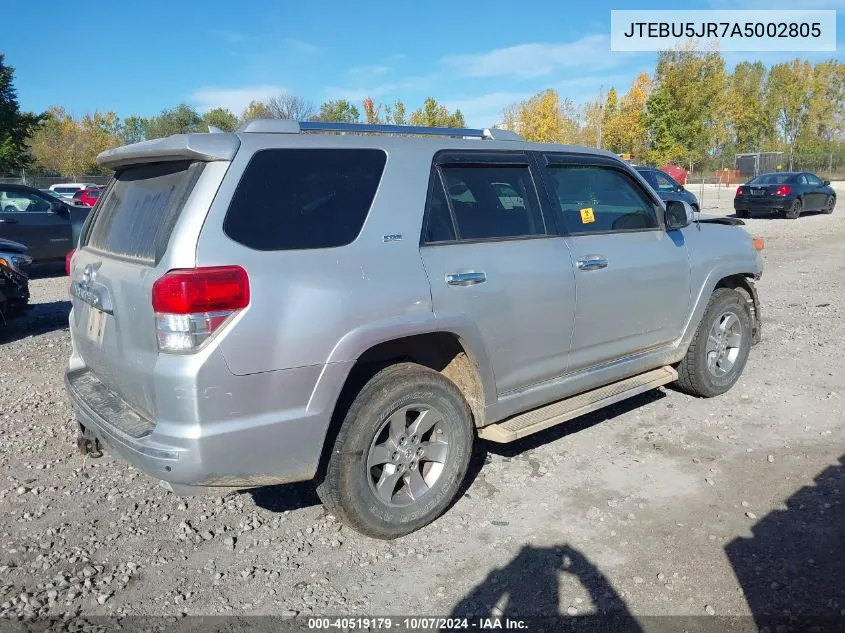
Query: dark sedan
<point x="667" y="187"/>
<point x="788" y="193"/>
<point x="48" y="226"/>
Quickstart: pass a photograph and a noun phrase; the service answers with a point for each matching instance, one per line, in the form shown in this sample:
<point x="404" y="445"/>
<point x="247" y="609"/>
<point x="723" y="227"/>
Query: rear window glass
<point x="137" y="214"/>
<point x="292" y="199"/>
<point x="66" y="189"/>
<point x="770" y="179"/>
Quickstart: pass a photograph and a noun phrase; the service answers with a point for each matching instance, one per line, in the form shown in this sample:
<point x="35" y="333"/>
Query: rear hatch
<point x="160" y="190"/>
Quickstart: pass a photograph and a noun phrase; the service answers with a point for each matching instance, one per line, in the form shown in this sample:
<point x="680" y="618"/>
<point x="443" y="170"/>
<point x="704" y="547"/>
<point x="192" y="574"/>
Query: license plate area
<point x="757" y="192"/>
<point x="96" y="325"/>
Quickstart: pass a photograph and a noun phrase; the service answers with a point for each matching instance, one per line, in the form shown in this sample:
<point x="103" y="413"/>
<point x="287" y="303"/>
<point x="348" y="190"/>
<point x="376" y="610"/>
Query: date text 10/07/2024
<point x="416" y="623"/>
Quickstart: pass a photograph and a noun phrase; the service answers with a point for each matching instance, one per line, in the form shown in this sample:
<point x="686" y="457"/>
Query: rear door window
<point x="137" y="215"/>
<point x="294" y="199"/>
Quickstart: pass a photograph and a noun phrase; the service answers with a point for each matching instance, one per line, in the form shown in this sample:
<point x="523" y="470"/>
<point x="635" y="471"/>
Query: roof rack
<point x="289" y="126"/>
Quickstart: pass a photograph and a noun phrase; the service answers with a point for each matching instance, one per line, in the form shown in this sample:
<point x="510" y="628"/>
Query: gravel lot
<point x="661" y="505"/>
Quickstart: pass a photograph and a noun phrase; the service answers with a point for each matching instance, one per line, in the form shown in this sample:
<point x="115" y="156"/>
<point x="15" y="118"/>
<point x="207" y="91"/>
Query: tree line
<point x="690" y="111"/>
<point x="693" y="112"/>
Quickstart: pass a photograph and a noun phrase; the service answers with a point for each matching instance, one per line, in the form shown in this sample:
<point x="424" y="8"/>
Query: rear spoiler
<point x="202" y="147"/>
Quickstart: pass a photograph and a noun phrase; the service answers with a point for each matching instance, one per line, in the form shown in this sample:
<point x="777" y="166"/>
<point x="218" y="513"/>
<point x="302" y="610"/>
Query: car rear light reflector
<point x="783" y="190"/>
<point x="68" y="257"/>
<point x="192" y="304"/>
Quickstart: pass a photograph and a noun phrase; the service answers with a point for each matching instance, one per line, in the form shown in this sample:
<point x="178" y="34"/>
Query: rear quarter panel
<point x="310" y="307"/>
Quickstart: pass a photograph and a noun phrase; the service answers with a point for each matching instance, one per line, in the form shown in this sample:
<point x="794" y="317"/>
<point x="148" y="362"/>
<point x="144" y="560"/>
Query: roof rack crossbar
<point x="286" y="126"/>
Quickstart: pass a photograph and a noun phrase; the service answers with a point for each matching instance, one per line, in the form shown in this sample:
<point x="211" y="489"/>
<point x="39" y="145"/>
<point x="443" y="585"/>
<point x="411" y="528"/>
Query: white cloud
<point x="776" y="4"/>
<point x="302" y="46"/>
<point x="391" y="90"/>
<point x="368" y="70"/>
<point x="484" y="110"/>
<point x="526" y="61"/>
<point x="235" y="99"/>
<point x="232" y="37"/>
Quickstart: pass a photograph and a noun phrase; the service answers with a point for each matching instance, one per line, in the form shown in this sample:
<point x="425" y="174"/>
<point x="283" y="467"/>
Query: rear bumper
<point x="762" y="204"/>
<point x="279" y="446"/>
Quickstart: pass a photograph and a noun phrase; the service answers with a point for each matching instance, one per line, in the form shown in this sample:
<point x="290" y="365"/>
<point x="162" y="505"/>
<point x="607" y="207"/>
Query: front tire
<point x="718" y="352"/>
<point x="794" y="209"/>
<point x="401" y="453"/>
<point x="828" y="208"/>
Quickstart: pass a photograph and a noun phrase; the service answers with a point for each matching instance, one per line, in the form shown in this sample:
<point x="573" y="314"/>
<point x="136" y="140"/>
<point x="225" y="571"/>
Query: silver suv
<point x="356" y="304"/>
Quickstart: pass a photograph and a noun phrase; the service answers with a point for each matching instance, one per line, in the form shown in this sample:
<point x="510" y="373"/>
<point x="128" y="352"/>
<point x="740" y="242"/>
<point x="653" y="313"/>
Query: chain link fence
<point x="40" y="181"/>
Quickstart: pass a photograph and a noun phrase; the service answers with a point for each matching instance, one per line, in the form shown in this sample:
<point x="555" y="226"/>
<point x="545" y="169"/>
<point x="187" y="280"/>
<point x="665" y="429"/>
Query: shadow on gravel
<point x="528" y="587"/>
<point x="39" y="319"/>
<point x="285" y="496"/>
<point x="794" y="564"/>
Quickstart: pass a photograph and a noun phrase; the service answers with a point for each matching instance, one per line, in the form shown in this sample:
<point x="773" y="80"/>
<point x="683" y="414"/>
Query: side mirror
<point x="681" y="188"/>
<point x="826" y="183"/>
<point x="678" y="215"/>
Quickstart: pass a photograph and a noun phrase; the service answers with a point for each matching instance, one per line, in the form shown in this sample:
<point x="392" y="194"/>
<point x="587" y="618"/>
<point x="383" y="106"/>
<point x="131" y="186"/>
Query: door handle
<point x="591" y="262"/>
<point x="8" y="221"/>
<point x="465" y="279"/>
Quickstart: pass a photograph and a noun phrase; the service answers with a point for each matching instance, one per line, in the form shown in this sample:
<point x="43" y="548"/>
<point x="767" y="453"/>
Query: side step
<point x="564" y="410"/>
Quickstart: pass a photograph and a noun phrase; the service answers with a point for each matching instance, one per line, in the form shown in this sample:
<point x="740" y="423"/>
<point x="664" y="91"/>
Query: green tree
<point x="134" y="129"/>
<point x="611" y="132"/>
<point x="183" y="119"/>
<point x="789" y="92"/>
<point x="221" y="118"/>
<point x="432" y="114"/>
<point x="15" y="126"/>
<point x="747" y="118"/>
<point x="338" y="111"/>
<point x="396" y="113"/>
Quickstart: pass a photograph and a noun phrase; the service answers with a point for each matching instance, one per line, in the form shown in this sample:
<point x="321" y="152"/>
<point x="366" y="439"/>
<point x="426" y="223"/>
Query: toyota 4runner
<point x="356" y="304"/>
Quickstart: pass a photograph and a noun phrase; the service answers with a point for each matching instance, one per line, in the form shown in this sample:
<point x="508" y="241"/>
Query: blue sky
<point x="140" y="57"/>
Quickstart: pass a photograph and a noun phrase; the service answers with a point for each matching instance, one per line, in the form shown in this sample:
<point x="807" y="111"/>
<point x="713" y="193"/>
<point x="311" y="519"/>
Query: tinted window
<point x="136" y="217"/>
<point x="770" y="179"/>
<point x="664" y="183"/>
<point x="304" y="198"/>
<point x="94" y="193"/>
<point x="493" y="201"/>
<point x="12" y="201"/>
<point x="438" y="224"/>
<point x="593" y="198"/>
<point x="813" y="180"/>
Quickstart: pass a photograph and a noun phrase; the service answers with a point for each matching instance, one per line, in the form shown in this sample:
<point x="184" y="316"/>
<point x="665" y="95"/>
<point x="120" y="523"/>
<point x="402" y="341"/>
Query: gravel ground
<point x="664" y="504"/>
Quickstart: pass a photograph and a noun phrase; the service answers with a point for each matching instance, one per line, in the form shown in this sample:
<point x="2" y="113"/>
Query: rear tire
<point x="831" y="202"/>
<point x="743" y="213"/>
<point x="718" y="352"/>
<point x="401" y="453"/>
<point x="794" y="209"/>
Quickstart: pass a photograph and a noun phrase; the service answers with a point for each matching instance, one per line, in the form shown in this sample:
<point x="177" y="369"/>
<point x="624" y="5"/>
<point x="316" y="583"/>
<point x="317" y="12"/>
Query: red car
<point x="89" y="196"/>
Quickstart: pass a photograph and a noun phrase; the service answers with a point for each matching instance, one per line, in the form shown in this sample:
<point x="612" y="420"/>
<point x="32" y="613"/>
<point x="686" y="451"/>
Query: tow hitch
<point x="88" y="444"/>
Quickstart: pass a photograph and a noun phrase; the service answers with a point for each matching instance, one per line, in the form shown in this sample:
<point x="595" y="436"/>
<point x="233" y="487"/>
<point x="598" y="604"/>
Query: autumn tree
<point x="69" y="146"/>
<point x="221" y="118"/>
<point x="631" y="117"/>
<point x="611" y="131"/>
<point x="543" y="118"/>
<point x="339" y="111"/>
<point x="433" y="114"/>
<point x="290" y="106"/>
<point x="256" y="110"/>
<point x="15" y="126"/>
<point x="749" y="122"/>
<point x="371" y="111"/>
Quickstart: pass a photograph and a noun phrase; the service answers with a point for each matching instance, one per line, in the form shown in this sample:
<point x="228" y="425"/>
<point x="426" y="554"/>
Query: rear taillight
<point x="783" y="190"/>
<point x="191" y="304"/>
<point x="740" y="191"/>
<point x="68" y="257"/>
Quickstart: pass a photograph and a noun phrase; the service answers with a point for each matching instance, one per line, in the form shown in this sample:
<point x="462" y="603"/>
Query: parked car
<point x="667" y="188"/>
<point x="49" y="227"/>
<point x="14" y="283"/>
<point x="57" y="196"/>
<point x="67" y="189"/>
<point x="89" y="196"/>
<point x="787" y="193"/>
<point x="274" y="306"/>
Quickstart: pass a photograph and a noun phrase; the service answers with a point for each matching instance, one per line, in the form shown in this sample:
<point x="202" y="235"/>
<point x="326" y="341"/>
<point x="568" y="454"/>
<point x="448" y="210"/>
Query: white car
<point x="67" y="189"/>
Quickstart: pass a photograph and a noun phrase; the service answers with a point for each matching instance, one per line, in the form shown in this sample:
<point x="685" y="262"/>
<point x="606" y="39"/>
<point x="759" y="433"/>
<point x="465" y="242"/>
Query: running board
<point x="564" y="410"/>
